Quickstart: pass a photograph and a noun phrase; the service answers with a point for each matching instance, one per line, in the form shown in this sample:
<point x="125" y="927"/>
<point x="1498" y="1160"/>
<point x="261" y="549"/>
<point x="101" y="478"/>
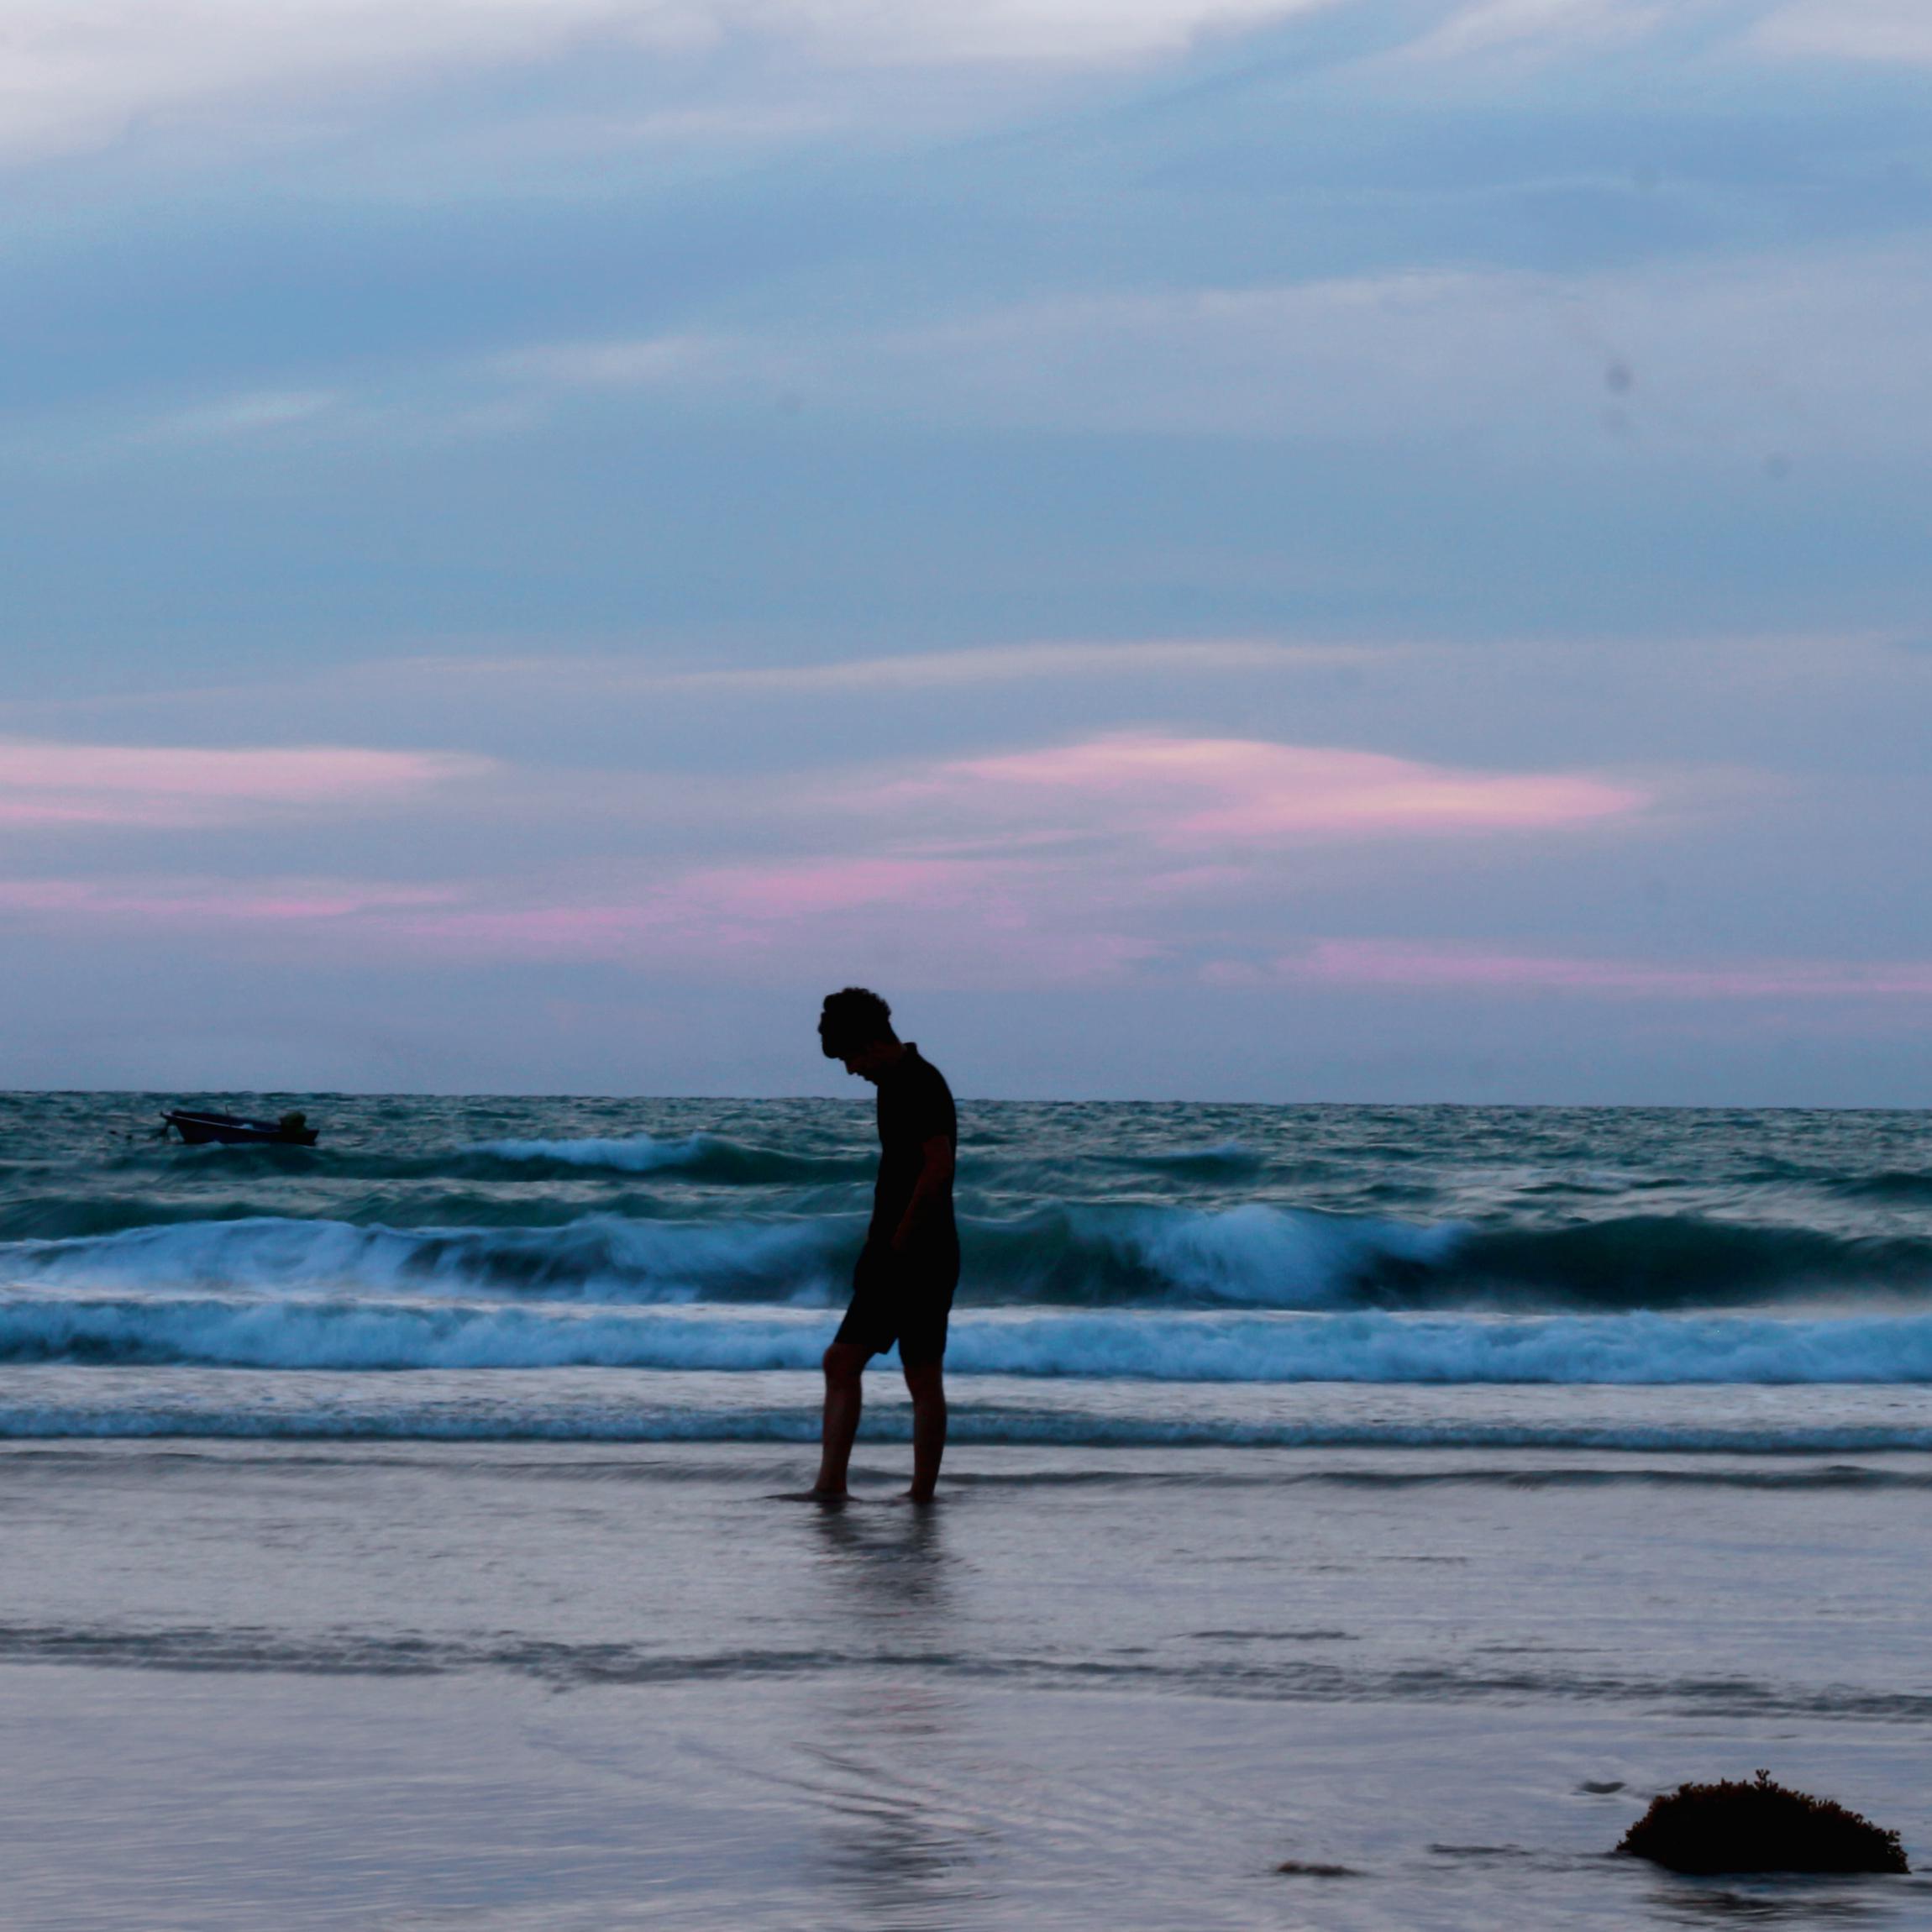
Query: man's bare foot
<point x="915" y="1496"/>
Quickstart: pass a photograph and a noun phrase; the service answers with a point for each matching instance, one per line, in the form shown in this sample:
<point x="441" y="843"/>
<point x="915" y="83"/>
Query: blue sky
<point x="1351" y="551"/>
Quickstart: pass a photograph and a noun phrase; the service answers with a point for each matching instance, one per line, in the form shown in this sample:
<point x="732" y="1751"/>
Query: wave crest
<point x="1102" y="1255"/>
<point x="699" y="1157"/>
<point x="314" y="1333"/>
<point x="594" y="1257"/>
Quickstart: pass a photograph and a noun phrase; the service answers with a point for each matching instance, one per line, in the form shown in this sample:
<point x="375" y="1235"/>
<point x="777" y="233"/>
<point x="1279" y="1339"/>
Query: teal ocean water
<point x="1142" y="1274"/>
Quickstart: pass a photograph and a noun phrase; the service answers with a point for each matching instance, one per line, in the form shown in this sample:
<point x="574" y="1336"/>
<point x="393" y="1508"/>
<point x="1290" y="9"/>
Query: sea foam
<point x="640" y="1154"/>
<point x="309" y="1332"/>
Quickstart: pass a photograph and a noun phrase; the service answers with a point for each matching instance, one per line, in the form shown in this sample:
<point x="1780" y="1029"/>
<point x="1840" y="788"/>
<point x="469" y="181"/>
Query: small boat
<point x="198" y="1128"/>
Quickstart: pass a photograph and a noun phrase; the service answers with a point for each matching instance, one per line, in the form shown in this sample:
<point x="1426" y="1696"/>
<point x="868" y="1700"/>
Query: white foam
<point x="597" y="1257"/>
<point x="343" y="1333"/>
<point x="1270" y="1256"/>
<point x="640" y="1154"/>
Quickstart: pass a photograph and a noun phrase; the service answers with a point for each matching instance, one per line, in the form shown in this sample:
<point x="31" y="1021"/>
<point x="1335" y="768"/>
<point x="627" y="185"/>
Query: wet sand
<point x="561" y="1686"/>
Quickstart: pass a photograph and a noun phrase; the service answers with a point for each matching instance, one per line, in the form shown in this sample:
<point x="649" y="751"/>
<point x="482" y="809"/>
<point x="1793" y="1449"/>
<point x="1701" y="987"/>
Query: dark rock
<point x="1758" y="1827"/>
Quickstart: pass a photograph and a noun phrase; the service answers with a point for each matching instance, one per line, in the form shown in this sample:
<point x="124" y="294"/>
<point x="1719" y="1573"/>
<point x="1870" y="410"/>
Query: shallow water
<point x="529" y="1686"/>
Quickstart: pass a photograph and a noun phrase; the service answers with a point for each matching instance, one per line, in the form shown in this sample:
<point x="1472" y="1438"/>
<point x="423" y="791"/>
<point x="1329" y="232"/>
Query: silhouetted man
<point x="902" y="1289"/>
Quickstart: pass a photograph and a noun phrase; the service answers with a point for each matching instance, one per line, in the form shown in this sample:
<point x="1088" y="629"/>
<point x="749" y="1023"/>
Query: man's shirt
<point x="914" y="1106"/>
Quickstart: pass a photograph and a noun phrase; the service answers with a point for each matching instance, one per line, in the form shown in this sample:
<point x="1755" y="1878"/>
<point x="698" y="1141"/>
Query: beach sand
<point x="522" y="1686"/>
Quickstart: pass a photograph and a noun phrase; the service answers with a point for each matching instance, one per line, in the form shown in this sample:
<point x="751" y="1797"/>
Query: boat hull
<point x="229" y="1130"/>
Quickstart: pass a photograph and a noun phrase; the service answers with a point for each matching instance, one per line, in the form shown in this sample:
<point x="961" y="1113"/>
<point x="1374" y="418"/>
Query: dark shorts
<point x="906" y="1300"/>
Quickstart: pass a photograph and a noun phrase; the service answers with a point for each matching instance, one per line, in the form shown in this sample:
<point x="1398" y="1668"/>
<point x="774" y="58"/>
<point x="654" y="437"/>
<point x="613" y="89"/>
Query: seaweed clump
<point x="1734" y="1826"/>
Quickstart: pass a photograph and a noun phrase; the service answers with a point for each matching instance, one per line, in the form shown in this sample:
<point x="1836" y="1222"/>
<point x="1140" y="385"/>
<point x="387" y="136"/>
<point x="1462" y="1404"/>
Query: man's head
<point x="856" y="1027"/>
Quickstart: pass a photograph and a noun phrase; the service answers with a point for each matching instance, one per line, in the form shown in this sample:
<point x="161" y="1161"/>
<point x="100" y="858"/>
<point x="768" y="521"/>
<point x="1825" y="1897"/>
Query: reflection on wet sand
<point x="885" y="1563"/>
<point x="888" y="1767"/>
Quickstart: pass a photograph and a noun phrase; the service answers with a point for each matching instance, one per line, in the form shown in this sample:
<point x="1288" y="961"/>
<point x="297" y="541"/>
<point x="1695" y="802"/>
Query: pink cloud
<point x="1425" y="965"/>
<point x="190" y="902"/>
<point x="960" y="921"/>
<point x="728" y="908"/>
<point x="945" y="920"/>
<point x="727" y="903"/>
<point x="810" y="887"/>
<point x="43" y="783"/>
<point x="979" y="917"/>
<point x="1078" y="862"/>
<point x="1193" y="792"/>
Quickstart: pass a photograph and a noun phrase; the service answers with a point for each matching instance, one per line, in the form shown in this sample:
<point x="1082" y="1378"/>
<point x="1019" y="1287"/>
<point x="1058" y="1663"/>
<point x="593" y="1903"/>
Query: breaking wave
<point x="597" y="1258"/>
<point x="695" y="1156"/>
<point x="1098" y="1256"/>
<point x="1371" y="1347"/>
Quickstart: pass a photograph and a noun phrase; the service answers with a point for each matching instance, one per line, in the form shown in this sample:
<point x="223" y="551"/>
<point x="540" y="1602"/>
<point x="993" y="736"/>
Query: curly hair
<point x="852" y="1017"/>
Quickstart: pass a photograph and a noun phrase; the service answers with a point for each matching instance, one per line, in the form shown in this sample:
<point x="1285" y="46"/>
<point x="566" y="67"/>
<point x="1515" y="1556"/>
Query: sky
<point x="1276" y="550"/>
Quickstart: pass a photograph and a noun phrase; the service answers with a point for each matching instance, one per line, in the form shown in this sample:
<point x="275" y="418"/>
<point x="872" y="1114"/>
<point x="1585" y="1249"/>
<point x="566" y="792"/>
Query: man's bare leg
<point x="844" y="1398"/>
<point x="926" y="1384"/>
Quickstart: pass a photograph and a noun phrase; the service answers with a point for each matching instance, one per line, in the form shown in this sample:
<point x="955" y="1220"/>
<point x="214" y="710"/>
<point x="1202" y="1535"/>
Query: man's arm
<point x="935" y="1178"/>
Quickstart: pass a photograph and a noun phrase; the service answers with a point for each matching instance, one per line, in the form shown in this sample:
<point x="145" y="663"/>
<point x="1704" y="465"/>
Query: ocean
<point x="402" y="1532"/>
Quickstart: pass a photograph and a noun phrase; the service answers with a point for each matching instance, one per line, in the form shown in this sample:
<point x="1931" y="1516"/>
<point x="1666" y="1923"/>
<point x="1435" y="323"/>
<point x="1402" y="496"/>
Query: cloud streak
<point x="82" y="73"/>
<point x="43" y="783"/>
<point x="1817" y="348"/>
<point x="1017" y="663"/>
<point x="1192" y="794"/>
<point x="1425" y="966"/>
<point x="1890" y="33"/>
<point x="1538" y="28"/>
<point x="187" y="904"/>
